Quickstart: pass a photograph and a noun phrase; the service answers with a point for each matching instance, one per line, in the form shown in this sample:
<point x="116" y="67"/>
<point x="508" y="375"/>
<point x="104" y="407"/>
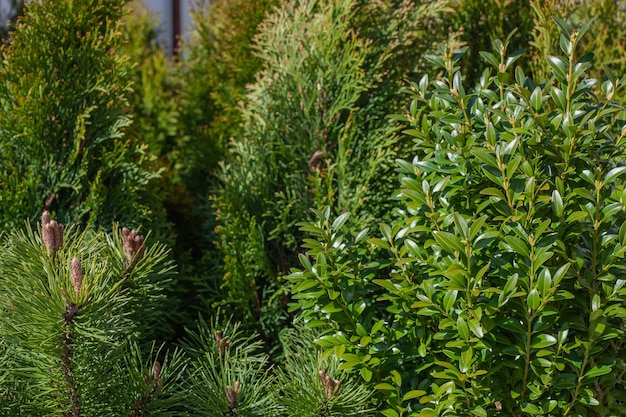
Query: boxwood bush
<point x="499" y="289"/>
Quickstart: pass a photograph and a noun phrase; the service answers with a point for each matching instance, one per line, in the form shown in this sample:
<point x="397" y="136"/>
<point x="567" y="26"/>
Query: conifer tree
<point x="77" y="309"/>
<point x="63" y="90"/>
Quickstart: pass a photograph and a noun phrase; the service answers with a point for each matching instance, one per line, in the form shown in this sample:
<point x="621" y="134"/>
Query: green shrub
<point x="215" y="63"/>
<point x="78" y="311"/>
<point x="315" y="133"/>
<point x="500" y="288"/>
<point x="63" y="96"/>
<point x="477" y="23"/>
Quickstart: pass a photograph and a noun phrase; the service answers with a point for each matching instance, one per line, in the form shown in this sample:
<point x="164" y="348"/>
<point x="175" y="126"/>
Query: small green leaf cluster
<point x="500" y="288"/>
<point x="477" y="23"/>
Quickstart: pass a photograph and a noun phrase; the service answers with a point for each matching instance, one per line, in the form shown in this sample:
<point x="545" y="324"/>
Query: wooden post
<point x="176" y="25"/>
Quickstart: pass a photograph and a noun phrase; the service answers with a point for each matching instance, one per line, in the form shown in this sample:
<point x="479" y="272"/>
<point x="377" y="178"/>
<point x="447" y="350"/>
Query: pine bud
<point x="222" y="344"/>
<point x="232" y="394"/>
<point x="51" y="233"/>
<point x="133" y="247"/>
<point x="331" y="386"/>
<point x="77" y="275"/>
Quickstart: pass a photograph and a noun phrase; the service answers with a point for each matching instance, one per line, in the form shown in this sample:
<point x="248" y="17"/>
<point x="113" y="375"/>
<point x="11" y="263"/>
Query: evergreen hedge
<point x="63" y="97"/>
<point x="499" y="289"/>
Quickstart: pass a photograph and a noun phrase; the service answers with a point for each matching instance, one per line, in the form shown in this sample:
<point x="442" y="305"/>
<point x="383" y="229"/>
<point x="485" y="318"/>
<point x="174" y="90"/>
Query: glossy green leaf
<point x="390" y="413"/>
<point x="534" y="299"/>
<point x="366" y="374"/>
<point x="559" y="67"/>
<point x="597" y="371"/>
<point x="476" y="328"/>
<point x="413" y="394"/>
<point x="467" y="354"/>
<point x="542" y="341"/>
<point x="557" y="203"/>
<point x="559" y="97"/>
<point x="519" y="246"/>
<point x="462" y="328"/>
<point x="536" y="98"/>
<point x="340" y="221"/>
<point x="449" y="299"/>
<point x="531" y="409"/>
<point x="449" y="242"/>
<point x="384" y="386"/>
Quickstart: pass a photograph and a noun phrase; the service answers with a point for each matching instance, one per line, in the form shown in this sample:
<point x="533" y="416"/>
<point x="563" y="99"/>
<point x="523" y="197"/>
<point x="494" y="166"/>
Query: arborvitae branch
<point x="155" y="389"/>
<point x="66" y="359"/>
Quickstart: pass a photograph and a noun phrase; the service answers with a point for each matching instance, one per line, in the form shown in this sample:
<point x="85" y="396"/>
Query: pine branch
<point x="155" y="389"/>
<point x="66" y="359"/>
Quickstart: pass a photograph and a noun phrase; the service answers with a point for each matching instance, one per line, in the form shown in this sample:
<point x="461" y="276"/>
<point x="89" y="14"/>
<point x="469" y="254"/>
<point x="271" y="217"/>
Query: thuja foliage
<point x="315" y="133"/>
<point x="78" y="310"/>
<point x="499" y="290"/>
<point x="63" y="96"/>
<point x="152" y="96"/>
<point x="216" y="63"/>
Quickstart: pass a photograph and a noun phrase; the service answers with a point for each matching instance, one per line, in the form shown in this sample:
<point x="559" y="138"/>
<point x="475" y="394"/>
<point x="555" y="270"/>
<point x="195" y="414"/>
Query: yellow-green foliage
<point x="63" y="96"/>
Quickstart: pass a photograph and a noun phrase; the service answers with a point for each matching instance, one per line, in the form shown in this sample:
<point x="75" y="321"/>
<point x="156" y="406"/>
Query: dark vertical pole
<point x="176" y="24"/>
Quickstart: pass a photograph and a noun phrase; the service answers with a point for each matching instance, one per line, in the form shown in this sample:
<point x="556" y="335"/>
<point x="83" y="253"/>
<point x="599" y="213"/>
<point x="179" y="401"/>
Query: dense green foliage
<point x="499" y="289"/>
<point x="227" y="361"/>
<point x="487" y="281"/>
<point x="315" y="134"/>
<point x="218" y="64"/>
<point x="77" y="309"/>
<point x="63" y="104"/>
